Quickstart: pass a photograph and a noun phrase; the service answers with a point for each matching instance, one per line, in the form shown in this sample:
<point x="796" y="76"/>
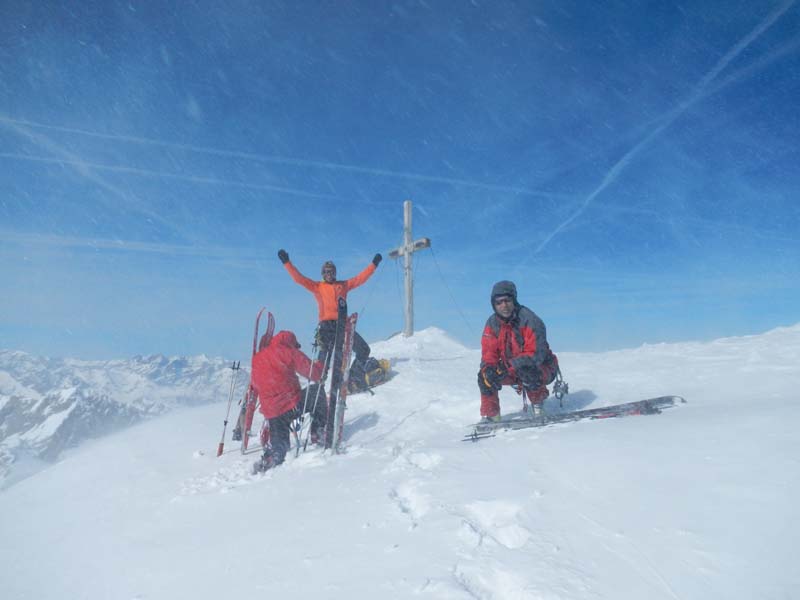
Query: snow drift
<point x="698" y="502"/>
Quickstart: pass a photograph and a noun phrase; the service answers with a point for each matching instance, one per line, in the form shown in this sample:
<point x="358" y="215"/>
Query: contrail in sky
<point x="81" y="164"/>
<point x="699" y="93"/>
<point x="242" y="257"/>
<point x="298" y="162"/>
<point x="83" y="169"/>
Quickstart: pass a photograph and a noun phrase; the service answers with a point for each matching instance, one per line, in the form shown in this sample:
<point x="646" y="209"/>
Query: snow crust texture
<point x="698" y="502"/>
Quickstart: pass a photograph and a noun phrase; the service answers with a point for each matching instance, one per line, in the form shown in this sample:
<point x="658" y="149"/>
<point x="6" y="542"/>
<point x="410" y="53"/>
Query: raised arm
<point x="307" y="283"/>
<point x="356" y="281"/>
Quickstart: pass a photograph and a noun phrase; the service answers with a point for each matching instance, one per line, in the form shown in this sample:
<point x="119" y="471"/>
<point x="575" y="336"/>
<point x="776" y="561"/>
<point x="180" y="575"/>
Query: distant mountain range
<point x="49" y="405"/>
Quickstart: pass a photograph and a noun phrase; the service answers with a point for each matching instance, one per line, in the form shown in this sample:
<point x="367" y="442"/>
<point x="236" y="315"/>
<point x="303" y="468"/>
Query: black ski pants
<point x="326" y="336"/>
<point x="280" y="426"/>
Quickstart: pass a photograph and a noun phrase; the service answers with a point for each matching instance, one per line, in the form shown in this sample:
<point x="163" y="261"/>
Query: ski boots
<point x="263" y="464"/>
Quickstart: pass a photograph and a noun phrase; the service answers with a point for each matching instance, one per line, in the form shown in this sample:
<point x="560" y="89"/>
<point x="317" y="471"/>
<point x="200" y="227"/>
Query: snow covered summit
<point x="697" y="502"/>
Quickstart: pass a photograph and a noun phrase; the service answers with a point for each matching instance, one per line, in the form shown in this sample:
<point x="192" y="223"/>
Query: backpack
<point x="368" y="374"/>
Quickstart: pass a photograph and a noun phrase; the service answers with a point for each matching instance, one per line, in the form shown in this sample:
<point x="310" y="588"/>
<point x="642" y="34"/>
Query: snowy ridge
<point x="430" y="343"/>
<point x="48" y="405"/>
<point x="698" y="502"/>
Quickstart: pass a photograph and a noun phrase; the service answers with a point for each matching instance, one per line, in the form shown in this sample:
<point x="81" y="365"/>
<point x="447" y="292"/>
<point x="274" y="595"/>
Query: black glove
<point x="377" y="259"/>
<point x="502" y="373"/>
<point x="530" y="376"/>
<point x="490" y="378"/>
<point x="283" y="255"/>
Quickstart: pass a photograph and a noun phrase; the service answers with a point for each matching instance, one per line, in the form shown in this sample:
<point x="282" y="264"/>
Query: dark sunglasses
<point x="503" y="300"/>
<point x="329" y="271"/>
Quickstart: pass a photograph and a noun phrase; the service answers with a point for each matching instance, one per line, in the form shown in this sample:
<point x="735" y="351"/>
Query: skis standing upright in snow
<point x="250" y="400"/>
<point x="341" y="399"/>
<point x="337" y="366"/>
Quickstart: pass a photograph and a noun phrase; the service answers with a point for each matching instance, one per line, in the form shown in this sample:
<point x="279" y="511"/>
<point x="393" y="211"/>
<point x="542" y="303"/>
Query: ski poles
<point x="561" y="388"/>
<point x="297" y="428"/>
<point x="320" y="389"/>
<point x="234" y="372"/>
<point x="527" y="409"/>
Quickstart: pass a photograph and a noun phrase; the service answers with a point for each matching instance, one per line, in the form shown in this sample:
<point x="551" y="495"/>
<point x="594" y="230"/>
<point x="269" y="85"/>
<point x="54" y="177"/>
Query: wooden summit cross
<point x="406" y="250"/>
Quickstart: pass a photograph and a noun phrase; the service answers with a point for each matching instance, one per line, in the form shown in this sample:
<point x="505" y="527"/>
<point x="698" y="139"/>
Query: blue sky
<point x="632" y="166"/>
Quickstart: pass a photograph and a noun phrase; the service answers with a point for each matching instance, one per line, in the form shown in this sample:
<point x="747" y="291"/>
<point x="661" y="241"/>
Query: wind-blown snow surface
<point x="698" y="502"/>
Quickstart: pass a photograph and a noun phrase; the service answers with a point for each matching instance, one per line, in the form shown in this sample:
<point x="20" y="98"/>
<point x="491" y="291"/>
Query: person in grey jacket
<point x="514" y="351"/>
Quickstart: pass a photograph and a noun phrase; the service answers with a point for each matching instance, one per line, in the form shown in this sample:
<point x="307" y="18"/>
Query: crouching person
<point x="274" y="372"/>
<point x="514" y="351"/>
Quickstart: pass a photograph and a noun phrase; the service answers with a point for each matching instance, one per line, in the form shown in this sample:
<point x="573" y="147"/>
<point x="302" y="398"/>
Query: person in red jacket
<point x="274" y="375"/>
<point x="327" y="293"/>
<point x="514" y="351"/>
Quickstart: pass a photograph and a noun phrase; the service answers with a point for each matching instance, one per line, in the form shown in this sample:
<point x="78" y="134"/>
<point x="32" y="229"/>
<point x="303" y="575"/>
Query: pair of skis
<point x="337" y="399"/>
<point x="650" y="406"/>
<point x="342" y="351"/>
<point x="250" y="400"/>
<point x="338" y="359"/>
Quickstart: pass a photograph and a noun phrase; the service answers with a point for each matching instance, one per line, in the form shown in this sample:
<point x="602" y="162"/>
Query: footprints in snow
<point x="487" y="534"/>
<point x="494" y="522"/>
<point x="411" y="501"/>
<point x="407" y="495"/>
<point x="481" y="522"/>
<point x="222" y="480"/>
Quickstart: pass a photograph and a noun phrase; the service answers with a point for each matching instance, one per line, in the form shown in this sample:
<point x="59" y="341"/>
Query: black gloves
<point x="530" y="376"/>
<point x="284" y="256"/>
<point x="490" y="378"/>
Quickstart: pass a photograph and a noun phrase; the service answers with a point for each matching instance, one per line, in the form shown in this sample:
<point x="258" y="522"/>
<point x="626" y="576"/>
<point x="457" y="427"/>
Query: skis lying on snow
<point x="651" y="406"/>
<point x="345" y="332"/>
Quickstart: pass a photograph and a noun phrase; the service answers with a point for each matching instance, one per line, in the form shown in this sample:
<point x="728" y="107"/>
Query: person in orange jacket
<point x="274" y="376"/>
<point x="327" y="292"/>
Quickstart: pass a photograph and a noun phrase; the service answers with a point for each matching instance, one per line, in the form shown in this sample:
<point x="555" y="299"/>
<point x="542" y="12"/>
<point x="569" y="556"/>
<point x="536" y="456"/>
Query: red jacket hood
<point x="285" y="338"/>
<point x="275" y="370"/>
